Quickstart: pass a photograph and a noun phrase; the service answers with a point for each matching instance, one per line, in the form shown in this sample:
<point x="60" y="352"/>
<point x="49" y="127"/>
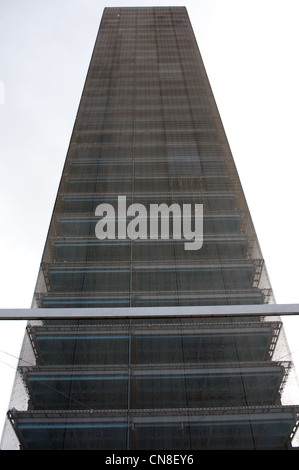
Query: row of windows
<point x="151" y="186"/>
<point x="116" y="88"/>
<point x="173" y="112"/>
<point x="53" y="392"/>
<point x="114" y="102"/>
<point x="219" y="433"/>
<point x="146" y="252"/>
<point x="211" y="157"/>
<point x="145" y="43"/>
<point x="146" y="138"/>
<point x="85" y="227"/>
<point x="148" y="36"/>
<point x="102" y="103"/>
<point x="130" y="25"/>
<point x="80" y="204"/>
<point x="137" y="168"/>
<point x="162" y="59"/>
<point x="140" y="117"/>
<point x="146" y="66"/>
<point x="153" y="93"/>
<point x="132" y="299"/>
<point x="101" y="280"/>
<point x="143" y="126"/>
<point x="247" y="433"/>
<point x="101" y="116"/>
<point x="164" y="80"/>
<point x="100" y="346"/>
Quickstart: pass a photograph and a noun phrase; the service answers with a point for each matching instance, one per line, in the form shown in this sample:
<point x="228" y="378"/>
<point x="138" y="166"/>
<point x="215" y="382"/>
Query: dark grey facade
<point x="148" y="128"/>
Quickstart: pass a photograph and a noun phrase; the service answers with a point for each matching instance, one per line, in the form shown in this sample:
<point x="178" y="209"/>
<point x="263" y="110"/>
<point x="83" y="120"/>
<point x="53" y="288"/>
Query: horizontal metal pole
<point x="135" y="312"/>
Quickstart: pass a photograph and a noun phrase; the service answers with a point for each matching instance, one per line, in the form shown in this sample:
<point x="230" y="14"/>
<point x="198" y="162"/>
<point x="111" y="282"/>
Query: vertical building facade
<point x="148" y="374"/>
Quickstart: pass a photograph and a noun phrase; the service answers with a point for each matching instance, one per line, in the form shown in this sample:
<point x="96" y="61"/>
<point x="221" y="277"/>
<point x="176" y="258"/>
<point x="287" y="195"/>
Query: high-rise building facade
<point x="150" y="372"/>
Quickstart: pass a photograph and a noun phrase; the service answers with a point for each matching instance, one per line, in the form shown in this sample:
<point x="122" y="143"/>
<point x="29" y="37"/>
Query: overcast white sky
<point x="250" y="50"/>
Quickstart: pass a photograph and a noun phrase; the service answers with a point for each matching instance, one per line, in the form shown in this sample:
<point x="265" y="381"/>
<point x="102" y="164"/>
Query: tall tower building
<point x="157" y="367"/>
